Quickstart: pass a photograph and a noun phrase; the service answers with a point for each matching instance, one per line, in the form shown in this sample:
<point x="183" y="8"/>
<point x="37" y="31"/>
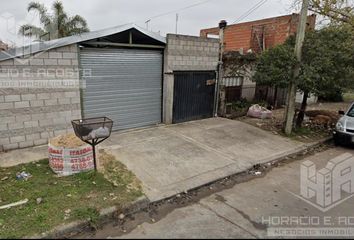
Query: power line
<point x="250" y="11"/>
<point x="180" y="9"/>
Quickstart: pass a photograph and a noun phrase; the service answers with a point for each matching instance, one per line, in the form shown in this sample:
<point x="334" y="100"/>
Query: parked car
<point x="344" y="130"/>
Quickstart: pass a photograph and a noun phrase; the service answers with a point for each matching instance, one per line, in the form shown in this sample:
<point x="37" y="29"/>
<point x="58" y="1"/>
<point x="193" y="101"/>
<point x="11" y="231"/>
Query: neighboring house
<point x="131" y="75"/>
<point x="255" y="37"/>
<point x="3" y="46"/>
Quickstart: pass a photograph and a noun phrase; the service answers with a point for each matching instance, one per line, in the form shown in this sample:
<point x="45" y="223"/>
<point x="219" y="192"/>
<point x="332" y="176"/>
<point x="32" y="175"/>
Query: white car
<point x="344" y="131"/>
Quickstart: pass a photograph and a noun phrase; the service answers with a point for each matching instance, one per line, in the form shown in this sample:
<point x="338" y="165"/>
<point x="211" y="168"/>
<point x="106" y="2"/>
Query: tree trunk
<point x="275" y="98"/>
<point x="301" y="114"/>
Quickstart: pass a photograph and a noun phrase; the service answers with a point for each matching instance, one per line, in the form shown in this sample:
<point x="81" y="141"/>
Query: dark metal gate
<point x="193" y="96"/>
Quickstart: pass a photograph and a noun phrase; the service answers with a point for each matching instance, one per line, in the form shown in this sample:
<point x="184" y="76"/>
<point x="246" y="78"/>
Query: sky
<point x="102" y="14"/>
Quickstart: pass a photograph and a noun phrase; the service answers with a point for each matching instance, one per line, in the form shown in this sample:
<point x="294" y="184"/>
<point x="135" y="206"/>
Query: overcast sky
<point x="107" y="13"/>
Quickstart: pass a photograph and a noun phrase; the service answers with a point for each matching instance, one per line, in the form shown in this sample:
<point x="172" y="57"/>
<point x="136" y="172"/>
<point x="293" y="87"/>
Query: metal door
<point x="193" y="96"/>
<point x="122" y="84"/>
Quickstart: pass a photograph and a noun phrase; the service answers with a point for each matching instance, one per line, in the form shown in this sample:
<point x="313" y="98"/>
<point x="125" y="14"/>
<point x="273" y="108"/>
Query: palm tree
<point x="56" y="25"/>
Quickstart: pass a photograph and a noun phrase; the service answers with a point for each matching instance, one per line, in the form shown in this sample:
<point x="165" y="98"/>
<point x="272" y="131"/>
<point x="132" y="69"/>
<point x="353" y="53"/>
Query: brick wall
<point x="186" y="53"/>
<point x="29" y="116"/>
<point x="276" y="31"/>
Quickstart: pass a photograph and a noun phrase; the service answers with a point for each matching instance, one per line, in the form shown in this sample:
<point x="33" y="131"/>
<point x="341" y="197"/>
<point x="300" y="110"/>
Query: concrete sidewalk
<point x="171" y="159"/>
<point x="176" y="158"/>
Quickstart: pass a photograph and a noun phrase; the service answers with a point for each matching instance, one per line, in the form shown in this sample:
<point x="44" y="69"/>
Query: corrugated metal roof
<point x="61" y="42"/>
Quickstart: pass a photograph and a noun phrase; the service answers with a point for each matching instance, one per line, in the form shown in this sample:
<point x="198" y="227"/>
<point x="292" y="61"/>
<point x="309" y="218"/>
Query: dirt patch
<point x="68" y="140"/>
<point x="320" y="120"/>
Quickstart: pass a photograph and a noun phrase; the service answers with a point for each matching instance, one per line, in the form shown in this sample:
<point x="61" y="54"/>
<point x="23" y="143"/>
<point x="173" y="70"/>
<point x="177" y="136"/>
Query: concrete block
<point x="37" y="103"/>
<point x="43" y="96"/>
<point x="52" y="115"/>
<point x="10" y="146"/>
<point x="9" y="105"/>
<point x="64" y="62"/>
<point x="7" y="119"/>
<point x="23" y="118"/>
<point x="2" y="99"/>
<point x="57" y="95"/>
<point x="59" y="132"/>
<point x="3" y="127"/>
<point x="75" y="100"/>
<point x="21" y="62"/>
<point x="17" y="139"/>
<point x="25" y="144"/>
<point x="37" y="116"/>
<point x="75" y="62"/>
<point x="44" y="135"/>
<point x="9" y="62"/>
<point x="50" y="102"/>
<point x="4" y="141"/>
<point x="40" y="142"/>
<point x="69" y="55"/>
<point x="22" y="104"/>
<point x="57" y="55"/>
<point x="41" y="55"/>
<point x="45" y="122"/>
<point x="70" y="94"/>
<point x="64" y="49"/>
<point x="36" y="62"/>
<point x="30" y="124"/>
<point x="15" y="125"/>
<point x="28" y="97"/>
<point x="33" y="136"/>
<point x="51" y="62"/>
<point x="12" y="98"/>
<point x="58" y="121"/>
<point x="63" y="101"/>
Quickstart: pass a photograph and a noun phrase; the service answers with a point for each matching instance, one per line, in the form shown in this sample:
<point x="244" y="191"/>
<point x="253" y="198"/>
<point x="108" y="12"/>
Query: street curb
<point x="107" y="215"/>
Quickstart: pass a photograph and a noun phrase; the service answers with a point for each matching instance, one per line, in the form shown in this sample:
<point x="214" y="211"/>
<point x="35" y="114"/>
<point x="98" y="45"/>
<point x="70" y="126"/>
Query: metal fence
<point x="257" y="93"/>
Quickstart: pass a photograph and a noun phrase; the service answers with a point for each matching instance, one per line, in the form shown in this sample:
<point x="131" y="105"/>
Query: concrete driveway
<point x="174" y="158"/>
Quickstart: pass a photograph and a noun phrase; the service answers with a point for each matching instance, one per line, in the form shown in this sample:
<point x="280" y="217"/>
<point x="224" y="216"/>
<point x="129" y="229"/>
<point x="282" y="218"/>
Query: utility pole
<point x="147" y="23"/>
<point x="176" y="22"/>
<point x="300" y="36"/>
<point x="220" y="86"/>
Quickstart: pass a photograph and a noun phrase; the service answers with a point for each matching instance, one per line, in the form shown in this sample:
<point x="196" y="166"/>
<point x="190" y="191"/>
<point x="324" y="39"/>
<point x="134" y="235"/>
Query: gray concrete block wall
<point x="186" y="53"/>
<point x="29" y="116"/>
<point x="190" y="53"/>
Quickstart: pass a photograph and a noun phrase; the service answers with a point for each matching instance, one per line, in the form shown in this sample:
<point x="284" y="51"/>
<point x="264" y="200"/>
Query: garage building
<point x="125" y="73"/>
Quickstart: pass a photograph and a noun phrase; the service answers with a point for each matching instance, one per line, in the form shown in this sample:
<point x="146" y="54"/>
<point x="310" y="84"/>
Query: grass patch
<point x="64" y="199"/>
<point x="308" y="134"/>
<point x="348" y="96"/>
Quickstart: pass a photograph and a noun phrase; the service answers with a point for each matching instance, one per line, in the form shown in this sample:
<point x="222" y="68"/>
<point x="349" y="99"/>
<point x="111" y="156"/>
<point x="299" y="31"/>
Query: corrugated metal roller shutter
<point x="124" y="85"/>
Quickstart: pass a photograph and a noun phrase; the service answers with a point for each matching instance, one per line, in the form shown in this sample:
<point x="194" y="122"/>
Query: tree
<point x="339" y="11"/>
<point x="55" y="25"/>
<point x="327" y="63"/>
<point x="274" y="67"/>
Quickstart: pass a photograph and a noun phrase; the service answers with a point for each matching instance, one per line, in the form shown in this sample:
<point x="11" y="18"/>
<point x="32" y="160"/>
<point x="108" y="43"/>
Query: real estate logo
<point x="30" y="48"/>
<point x="329" y="186"/>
